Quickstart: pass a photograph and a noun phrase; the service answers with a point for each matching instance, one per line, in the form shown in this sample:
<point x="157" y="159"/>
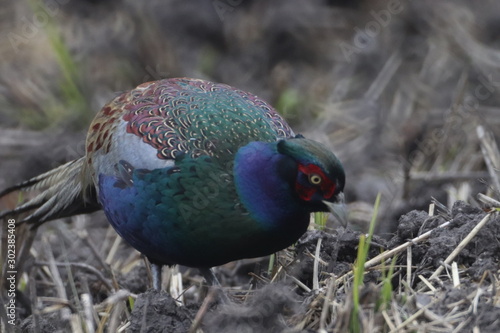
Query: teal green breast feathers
<point x="195" y="173"/>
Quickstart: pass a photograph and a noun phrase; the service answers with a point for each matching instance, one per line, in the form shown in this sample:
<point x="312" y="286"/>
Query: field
<point x="406" y="93"/>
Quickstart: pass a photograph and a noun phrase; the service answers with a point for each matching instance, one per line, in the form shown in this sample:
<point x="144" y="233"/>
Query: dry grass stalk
<point x="491" y="155"/>
<point x="300" y="284"/>
<point x="326" y="304"/>
<point x="461" y="246"/>
<point x="56" y="278"/>
<point x="316" y="265"/>
<point x="408" y="266"/>
<point x="388" y="254"/>
<point x="455" y="274"/>
<point x="88" y="311"/>
<point x="488" y="200"/>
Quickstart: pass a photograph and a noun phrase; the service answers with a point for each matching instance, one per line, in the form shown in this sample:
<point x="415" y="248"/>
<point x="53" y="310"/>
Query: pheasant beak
<point x="338" y="209"/>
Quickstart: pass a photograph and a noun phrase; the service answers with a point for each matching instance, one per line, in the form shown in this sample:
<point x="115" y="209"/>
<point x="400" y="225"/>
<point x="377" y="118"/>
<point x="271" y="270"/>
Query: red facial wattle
<point x="307" y="191"/>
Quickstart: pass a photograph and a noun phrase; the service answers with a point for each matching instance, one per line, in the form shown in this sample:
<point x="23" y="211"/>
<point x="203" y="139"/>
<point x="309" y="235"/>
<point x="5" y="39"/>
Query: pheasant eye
<point x="315" y="179"/>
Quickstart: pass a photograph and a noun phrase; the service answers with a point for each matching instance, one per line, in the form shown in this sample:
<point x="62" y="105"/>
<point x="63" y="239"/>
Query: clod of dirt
<point x="47" y="323"/>
<point x="481" y="254"/>
<point x="264" y="313"/>
<point x="485" y="262"/>
<point x="338" y="249"/>
<point x="409" y="224"/>
<point x="158" y="312"/>
<point x="415" y="223"/>
<point x="464" y="218"/>
<point x="461" y="208"/>
<point x="487" y="315"/>
<point x="134" y="280"/>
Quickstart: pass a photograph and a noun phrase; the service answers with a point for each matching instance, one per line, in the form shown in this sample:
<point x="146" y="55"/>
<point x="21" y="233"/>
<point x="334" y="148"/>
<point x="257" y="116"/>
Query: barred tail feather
<point x="65" y="192"/>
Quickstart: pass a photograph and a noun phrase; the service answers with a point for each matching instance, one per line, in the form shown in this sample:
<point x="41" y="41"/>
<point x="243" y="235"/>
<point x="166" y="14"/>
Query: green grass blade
<point x="359" y="269"/>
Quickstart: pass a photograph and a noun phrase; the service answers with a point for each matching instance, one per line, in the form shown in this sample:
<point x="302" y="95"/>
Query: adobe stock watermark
<point x="364" y="37"/>
<point x="205" y="195"/>
<point x="154" y="74"/>
<point x="222" y="7"/>
<point x="11" y="272"/>
<point x="453" y="120"/>
<point x="31" y="26"/>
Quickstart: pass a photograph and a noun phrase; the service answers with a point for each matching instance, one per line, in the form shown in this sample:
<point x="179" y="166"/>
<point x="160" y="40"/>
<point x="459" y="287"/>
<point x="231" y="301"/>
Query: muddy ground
<point x="397" y="89"/>
<point x="290" y="303"/>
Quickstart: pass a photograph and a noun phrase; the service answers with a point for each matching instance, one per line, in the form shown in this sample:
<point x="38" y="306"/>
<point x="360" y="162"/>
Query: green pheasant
<point x="194" y="173"/>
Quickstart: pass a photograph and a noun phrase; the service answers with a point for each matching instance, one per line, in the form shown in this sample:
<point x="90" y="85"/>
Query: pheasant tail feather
<point x="65" y="191"/>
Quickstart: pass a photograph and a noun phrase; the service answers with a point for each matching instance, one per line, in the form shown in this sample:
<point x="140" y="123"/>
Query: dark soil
<point x="400" y="110"/>
<point x="158" y="312"/>
<point x="282" y="306"/>
<point x="272" y="308"/>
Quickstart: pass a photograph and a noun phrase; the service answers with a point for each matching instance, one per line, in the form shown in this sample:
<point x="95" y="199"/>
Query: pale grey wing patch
<point x="130" y="148"/>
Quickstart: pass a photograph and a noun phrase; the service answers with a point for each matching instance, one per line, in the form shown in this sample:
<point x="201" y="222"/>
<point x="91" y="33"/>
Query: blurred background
<point x="395" y="88"/>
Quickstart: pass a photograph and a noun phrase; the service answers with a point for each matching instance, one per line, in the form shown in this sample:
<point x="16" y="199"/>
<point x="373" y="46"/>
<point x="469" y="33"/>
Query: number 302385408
<point x="11" y="244"/>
